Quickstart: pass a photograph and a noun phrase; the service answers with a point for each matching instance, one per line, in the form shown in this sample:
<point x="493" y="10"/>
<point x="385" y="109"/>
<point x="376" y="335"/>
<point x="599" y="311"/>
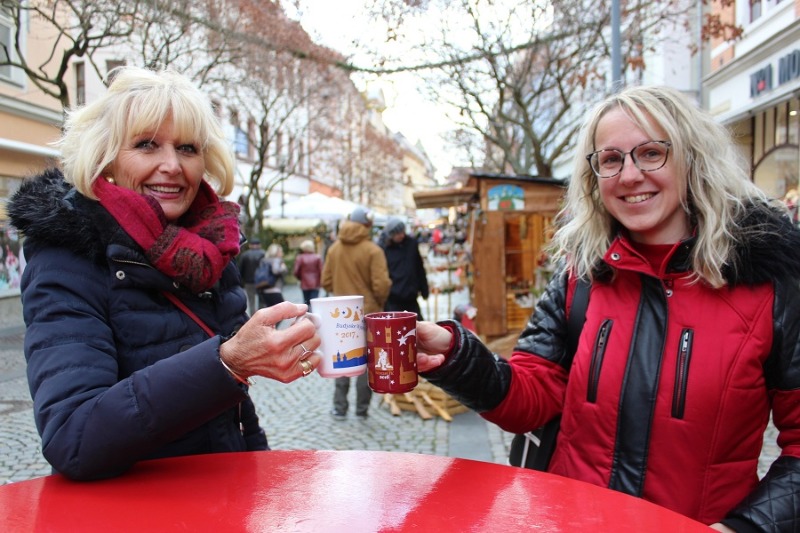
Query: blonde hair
<point x="274" y="250"/>
<point x="714" y="174"/>
<point x="307" y="246"/>
<point x="139" y="100"/>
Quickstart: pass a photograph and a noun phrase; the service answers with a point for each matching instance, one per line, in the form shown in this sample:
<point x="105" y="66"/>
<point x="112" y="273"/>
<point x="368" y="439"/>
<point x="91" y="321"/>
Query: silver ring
<point x="307" y="367"/>
<point x="306" y="352"/>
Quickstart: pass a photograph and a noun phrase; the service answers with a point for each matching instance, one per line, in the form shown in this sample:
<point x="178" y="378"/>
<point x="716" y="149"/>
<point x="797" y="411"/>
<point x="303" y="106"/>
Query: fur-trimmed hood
<point x="49" y="211"/>
<point x="767" y="249"/>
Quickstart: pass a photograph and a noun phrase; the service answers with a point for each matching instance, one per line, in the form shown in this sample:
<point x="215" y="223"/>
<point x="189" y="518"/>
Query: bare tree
<point x="382" y="165"/>
<point x="179" y="34"/>
<point x="519" y="74"/>
<point x="80" y="28"/>
<point x="278" y="101"/>
<point x="176" y="33"/>
<point x="539" y="65"/>
<point x="340" y="136"/>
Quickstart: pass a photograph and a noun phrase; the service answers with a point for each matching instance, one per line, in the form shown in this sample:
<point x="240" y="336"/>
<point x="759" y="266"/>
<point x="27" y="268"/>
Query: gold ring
<point x="307" y="367"/>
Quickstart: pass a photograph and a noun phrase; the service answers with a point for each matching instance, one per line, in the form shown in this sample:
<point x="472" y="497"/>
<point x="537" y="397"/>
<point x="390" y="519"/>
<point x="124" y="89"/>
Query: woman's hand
<point x="433" y="341"/>
<point x="720" y="527"/>
<point x="259" y="349"/>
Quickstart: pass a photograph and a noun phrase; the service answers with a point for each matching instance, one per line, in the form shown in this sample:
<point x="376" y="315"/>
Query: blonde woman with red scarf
<point x="138" y="343"/>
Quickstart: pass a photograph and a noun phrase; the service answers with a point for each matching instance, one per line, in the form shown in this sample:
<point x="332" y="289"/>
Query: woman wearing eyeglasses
<point x="692" y="332"/>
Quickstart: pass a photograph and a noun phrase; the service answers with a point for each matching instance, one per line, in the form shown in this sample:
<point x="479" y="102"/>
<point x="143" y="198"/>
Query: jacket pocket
<point x="598" y="353"/>
<point x="682" y="373"/>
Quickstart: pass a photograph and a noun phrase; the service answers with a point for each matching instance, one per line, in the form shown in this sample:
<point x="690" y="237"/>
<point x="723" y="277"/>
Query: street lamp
<point x="616" y="52"/>
<point x="282" y="169"/>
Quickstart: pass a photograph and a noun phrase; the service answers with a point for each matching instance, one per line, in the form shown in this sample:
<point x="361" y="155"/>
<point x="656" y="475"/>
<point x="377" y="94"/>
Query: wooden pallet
<point x="426" y="400"/>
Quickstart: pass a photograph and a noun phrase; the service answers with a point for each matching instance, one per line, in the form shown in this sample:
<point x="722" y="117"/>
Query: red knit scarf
<point x="195" y="250"/>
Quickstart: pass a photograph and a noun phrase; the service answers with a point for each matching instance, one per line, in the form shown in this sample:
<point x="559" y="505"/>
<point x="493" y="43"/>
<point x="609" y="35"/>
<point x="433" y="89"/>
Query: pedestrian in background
<point x="308" y="270"/>
<point x="692" y="331"/>
<point x="248" y="262"/>
<point x="138" y="344"/>
<point x="356" y="266"/>
<point x="273" y="295"/>
<point x="406" y="269"/>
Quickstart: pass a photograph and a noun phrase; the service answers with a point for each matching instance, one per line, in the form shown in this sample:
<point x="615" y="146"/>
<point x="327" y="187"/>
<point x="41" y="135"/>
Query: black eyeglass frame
<point x="668" y="144"/>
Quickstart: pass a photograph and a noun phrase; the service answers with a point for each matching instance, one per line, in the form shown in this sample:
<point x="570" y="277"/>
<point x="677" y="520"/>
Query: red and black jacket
<point x="672" y="384"/>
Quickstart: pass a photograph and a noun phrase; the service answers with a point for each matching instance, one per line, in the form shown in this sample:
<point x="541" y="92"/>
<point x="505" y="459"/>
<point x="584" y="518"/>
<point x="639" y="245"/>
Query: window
<point x="111" y="64"/>
<point x="755" y="10"/>
<point x="6" y="41"/>
<point x="240" y="143"/>
<point x="80" y="83"/>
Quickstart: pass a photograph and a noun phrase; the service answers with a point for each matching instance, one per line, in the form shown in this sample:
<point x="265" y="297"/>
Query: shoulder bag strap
<point x="182" y="306"/>
<point x="577" y="316"/>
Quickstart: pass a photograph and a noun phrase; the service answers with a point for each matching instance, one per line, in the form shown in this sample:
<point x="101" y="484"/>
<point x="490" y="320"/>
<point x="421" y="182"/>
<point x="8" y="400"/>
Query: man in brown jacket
<point x="356" y="265"/>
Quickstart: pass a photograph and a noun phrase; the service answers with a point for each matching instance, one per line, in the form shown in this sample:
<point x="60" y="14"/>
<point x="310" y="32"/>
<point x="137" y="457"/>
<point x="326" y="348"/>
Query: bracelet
<point x="237" y="377"/>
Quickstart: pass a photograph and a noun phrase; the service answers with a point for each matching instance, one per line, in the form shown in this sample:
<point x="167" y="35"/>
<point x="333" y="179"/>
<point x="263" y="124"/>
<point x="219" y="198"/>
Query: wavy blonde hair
<point x="713" y="170"/>
<point x="139" y="100"/>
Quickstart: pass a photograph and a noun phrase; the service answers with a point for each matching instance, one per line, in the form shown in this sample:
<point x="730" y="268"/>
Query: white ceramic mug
<point x="340" y="324"/>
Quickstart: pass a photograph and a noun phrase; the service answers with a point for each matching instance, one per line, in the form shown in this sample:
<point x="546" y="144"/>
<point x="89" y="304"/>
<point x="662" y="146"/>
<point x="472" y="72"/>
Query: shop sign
<point x="789" y="67"/>
<point x="506" y="198"/>
<point x="761" y="81"/>
<point x="788" y="70"/>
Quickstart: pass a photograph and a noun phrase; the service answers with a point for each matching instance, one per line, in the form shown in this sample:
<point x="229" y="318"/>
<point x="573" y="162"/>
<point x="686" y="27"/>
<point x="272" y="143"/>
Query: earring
<point x="111" y="180"/>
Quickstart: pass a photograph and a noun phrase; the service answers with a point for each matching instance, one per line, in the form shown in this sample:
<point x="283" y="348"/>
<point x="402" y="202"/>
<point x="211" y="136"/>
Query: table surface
<point x="325" y="491"/>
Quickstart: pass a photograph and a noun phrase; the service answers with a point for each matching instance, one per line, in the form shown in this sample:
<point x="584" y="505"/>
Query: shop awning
<point x="444" y="197"/>
<point x="293" y="226"/>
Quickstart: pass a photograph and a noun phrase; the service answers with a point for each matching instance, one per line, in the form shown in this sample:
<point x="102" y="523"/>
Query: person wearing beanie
<point x="308" y="270"/>
<point x="405" y="268"/>
<point x="355" y="265"/>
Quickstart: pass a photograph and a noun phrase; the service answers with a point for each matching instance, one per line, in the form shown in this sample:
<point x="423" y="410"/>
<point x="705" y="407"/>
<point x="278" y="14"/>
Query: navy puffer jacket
<point x="116" y="371"/>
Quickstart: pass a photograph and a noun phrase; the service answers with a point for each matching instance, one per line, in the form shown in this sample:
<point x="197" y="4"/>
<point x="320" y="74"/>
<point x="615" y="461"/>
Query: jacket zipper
<point x="599" y="351"/>
<point x="682" y="373"/>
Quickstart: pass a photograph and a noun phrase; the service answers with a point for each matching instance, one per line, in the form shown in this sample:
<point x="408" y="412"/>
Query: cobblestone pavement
<point x="295" y="415"/>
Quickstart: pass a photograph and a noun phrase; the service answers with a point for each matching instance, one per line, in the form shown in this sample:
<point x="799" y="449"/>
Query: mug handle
<point x="316" y="320"/>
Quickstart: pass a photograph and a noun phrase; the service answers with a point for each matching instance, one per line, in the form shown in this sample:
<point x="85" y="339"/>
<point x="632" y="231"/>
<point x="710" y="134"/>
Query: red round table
<point x="327" y="491"/>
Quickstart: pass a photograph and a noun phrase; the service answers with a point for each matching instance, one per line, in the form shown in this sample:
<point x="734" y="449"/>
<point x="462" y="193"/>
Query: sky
<point x="333" y="24"/>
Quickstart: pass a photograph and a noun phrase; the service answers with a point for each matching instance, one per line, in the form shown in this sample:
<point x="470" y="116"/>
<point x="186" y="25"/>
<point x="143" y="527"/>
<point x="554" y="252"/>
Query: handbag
<point x="264" y="277"/>
<point x="535" y="448"/>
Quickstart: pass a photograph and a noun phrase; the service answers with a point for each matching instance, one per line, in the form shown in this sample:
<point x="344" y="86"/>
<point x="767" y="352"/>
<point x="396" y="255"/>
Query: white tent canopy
<point x="293" y="225"/>
<point x="313" y="205"/>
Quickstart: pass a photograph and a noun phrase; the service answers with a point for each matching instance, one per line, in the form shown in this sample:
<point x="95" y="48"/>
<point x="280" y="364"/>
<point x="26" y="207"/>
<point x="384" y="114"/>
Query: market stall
<point x="509" y="224"/>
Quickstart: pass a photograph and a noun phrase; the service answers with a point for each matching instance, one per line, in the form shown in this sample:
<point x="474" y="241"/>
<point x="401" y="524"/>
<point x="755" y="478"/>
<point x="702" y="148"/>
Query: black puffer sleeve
<point x="472" y="374"/>
<point x="773" y="506"/>
<point x="480" y="379"/>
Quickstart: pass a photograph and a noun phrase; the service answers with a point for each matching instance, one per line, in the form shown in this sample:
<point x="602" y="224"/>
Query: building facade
<point x="753" y="87"/>
<point x="30" y="121"/>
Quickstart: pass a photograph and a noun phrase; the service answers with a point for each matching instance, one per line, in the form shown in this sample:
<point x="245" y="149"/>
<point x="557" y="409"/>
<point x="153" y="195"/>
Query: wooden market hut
<point x="510" y="223"/>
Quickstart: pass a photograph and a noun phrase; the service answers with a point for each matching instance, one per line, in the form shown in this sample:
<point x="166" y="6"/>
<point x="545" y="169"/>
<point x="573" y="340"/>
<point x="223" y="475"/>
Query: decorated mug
<point x="340" y="324"/>
<point x="392" y="351"/>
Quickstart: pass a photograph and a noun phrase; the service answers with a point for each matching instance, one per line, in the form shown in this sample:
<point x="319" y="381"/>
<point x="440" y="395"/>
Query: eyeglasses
<point x="648" y="157"/>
